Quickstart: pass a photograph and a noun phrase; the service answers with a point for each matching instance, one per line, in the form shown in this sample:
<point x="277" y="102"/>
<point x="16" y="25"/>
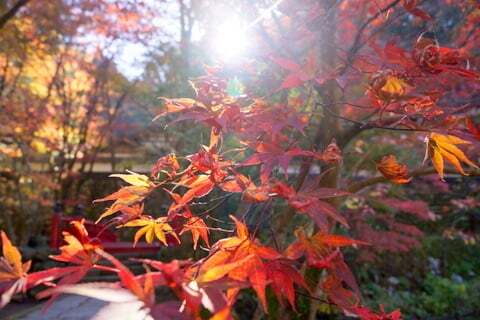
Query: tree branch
<point x="11" y="13"/>
<point x="357" y="45"/>
<point x="357" y="186"/>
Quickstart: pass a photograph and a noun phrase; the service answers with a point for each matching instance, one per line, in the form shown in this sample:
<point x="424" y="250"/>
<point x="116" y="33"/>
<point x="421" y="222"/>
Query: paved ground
<point x="73" y="307"/>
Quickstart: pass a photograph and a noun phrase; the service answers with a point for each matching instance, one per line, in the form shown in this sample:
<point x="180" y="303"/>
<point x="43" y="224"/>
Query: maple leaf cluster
<point x="233" y="263"/>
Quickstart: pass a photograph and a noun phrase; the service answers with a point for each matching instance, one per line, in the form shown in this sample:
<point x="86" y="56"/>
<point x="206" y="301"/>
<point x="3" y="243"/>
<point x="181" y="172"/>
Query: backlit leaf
<point x="152" y="229"/>
<point x="135" y="179"/>
<point x="442" y="147"/>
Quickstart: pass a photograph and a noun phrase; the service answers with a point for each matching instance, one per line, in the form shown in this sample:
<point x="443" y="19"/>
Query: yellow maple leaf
<point x="388" y="87"/>
<point x="135" y="179"/>
<point x="440" y="147"/>
<point x="394" y="86"/>
<point x="151" y="229"/>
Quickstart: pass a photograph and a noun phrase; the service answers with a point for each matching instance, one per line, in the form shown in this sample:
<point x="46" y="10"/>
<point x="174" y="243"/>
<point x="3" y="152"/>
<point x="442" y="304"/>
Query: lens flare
<point x="230" y="40"/>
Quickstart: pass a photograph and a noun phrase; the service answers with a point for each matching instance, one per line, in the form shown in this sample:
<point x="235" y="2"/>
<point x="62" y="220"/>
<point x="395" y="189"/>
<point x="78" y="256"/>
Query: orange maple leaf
<point x="167" y="164"/>
<point x="14" y="276"/>
<point x="198" y="228"/>
<point x="79" y="248"/>
<point x="179" y="105"/>
<point x="194" y="224"/>
<point x="126" y="196"/>
<point x="251" y="192"/>
<point x="392" y="170"/>
<point x="140" y="186"/>
<point x="11" y="266"/>
<point x="441" y="147"/>
<point x="239" y="258"/>
<point x="318" y="247"/>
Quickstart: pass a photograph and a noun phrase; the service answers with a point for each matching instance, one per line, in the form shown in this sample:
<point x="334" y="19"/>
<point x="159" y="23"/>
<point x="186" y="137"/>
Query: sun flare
<point x="231" y="40"/>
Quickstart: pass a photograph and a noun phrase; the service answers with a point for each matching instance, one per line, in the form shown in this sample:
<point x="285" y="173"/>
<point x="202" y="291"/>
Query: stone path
<point x="74" y="307"/>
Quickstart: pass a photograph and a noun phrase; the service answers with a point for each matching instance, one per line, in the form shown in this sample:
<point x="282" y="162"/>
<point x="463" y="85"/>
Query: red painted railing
<point x="110" y="242"/>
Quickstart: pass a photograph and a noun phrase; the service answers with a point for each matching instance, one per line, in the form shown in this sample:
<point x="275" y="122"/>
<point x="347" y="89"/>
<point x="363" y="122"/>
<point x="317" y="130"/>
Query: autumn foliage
<point x="296" y="113"/>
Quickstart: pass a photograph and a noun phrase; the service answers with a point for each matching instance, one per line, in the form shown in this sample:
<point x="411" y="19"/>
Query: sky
<point x="130" y="59"/>
<point x="229" y="40"/>
<point x="130" y="56"/>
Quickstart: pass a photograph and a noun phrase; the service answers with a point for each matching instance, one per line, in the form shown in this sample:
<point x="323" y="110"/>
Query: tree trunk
<point x="329" y="126"/>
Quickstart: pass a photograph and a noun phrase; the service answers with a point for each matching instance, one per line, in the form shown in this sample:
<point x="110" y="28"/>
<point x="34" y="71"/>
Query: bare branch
<point x="11" y="12"/>
<point x="355" y="187"/>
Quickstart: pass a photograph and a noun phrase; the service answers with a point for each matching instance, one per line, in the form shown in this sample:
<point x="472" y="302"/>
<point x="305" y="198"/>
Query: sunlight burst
<point x="231" y="40"/>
